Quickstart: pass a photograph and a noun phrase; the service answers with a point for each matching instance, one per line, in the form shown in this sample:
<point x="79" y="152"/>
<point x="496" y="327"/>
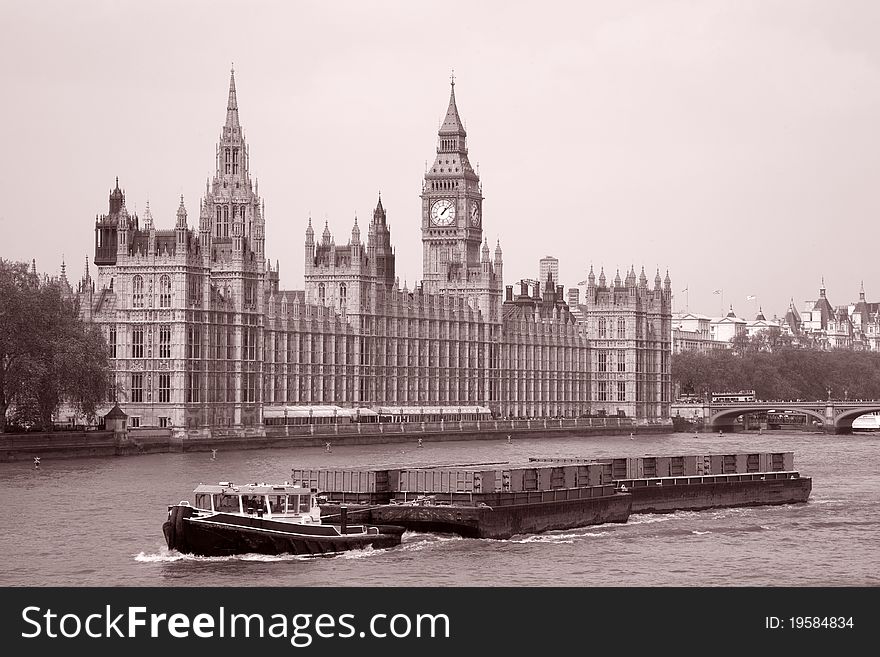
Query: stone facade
<point x="202" y="337"/>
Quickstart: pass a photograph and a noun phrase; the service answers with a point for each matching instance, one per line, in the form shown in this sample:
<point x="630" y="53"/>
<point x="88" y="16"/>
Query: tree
<point x="49" y="354"/>
<point x="17" y="342"/>
<point x="784" y="373"/>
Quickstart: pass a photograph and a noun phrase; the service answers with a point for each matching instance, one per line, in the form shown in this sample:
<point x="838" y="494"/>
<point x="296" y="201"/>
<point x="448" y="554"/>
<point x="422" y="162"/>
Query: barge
<point x="552" y="494"/>
<point x="264" y="519"/>
<point x="665" y="484"/>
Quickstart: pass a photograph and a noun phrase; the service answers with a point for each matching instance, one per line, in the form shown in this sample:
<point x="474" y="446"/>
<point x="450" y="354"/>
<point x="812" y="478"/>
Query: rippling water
<point x="97" y="522"/>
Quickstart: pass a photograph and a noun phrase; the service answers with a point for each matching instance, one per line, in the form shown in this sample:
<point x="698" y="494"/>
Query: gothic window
<point x="165" y="341"/>
<point x="112" y="342"/>
<point x="621" y="328"/>
<point x="137" y="341"/>
<point x="603" y="390"/>
<point x="603" y="361"/>
<point x="137" y="298"/>
<point x="621" y="391"/>
<point x="193" y="342"/>
<point x="235" y="160"/>
<point x="343" y="293"/>
<point x="225" y="221"/>
<point x="621" y="360"/>
<point x="321" y="293"/>
<point x="227" y="161"/>
<point x="193" y="387"/>
<point x="219" y="220"/>
<point x="603" y="331"/>
<point x="137" y="387"/>
<point x="165" y="292"/>
<point x="164" y="388"/>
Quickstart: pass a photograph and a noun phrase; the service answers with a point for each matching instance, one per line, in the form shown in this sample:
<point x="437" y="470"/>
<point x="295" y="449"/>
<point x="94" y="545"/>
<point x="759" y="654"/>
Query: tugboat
<point x="228" y="519"/>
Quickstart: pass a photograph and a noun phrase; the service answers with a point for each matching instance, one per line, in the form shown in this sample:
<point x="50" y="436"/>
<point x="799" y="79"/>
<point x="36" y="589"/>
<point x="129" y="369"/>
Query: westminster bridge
<point x="835" y="415"/>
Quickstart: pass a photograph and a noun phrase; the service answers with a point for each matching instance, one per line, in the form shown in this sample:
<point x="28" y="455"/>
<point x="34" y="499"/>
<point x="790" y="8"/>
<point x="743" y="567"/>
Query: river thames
<point x="97" y="522"/>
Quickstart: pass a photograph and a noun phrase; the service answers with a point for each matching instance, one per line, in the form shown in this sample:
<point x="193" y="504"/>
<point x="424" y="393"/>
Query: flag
<point x="684" y="290"/>
<point x="717" y="292"/>
<point x="750" y="297"/>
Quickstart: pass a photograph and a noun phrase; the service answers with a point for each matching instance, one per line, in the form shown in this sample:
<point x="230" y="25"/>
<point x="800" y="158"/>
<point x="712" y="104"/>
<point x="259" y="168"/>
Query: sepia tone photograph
<point x="364" y="294"/>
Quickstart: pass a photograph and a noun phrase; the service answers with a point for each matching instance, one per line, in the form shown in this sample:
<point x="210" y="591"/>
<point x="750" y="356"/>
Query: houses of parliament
<point x="202" y="337"/>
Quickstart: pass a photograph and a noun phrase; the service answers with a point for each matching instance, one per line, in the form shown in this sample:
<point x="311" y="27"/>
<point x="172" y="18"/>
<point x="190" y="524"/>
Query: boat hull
<point x="502" y="521"/>
<point x="727" y="493"/>
<point x="225" y="535"/>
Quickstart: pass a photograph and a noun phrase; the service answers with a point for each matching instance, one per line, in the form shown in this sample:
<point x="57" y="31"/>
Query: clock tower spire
<point x="452" y="199"/>
<point x="452" y="223"/>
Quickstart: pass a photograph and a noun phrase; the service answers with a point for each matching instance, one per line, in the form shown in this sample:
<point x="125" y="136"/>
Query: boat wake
<point x="651" y="518"/>
<point x="556" y="538"/>
<point x="164" y="555"/>
<point x="415" y="541"/>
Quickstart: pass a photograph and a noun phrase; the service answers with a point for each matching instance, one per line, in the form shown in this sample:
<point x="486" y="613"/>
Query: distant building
<point x="761" y="323"/>
<point x="725" y="329"/>
<point x="692" y="332"/>
<point x="549" y="266"/>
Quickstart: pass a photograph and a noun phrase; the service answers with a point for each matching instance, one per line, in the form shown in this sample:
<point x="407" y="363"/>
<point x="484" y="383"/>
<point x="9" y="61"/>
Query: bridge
<point x="835" y="415"/>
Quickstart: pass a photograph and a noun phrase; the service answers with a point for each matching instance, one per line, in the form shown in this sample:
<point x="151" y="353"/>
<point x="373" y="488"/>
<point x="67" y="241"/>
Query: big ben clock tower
<point x="452" y="206"/>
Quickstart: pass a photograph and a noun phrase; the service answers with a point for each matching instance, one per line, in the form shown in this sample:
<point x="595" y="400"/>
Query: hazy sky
<point x="735" y="143"/>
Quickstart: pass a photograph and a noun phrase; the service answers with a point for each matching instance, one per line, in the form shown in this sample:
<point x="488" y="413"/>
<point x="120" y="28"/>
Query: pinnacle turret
<point x="379" y="212"/>
<point x="643" y="280"/>
<point x="452" y="124"/>
<point x="355" y="232"/>
<point x="181" y="214"/>
<point x="325" y="236"/>
<point x="148" y="218"/>
<point x="232" y="104"/>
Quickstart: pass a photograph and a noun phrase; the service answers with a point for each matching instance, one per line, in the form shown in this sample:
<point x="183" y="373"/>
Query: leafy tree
<point x="781" y="373"/>
<point x="49" y="354"/>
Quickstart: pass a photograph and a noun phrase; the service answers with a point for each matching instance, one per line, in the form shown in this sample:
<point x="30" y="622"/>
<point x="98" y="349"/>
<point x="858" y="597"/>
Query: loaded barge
<point x="549" y="494"/>
<point x="664" y="484"/>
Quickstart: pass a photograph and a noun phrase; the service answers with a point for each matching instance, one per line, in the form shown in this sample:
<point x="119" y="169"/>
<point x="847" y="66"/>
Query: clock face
<point x="443" y="212"/>
<point x="475" y="214"/>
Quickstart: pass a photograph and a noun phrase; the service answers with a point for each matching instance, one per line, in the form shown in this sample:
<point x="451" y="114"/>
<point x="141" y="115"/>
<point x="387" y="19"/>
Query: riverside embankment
<point x="136" y="441"/>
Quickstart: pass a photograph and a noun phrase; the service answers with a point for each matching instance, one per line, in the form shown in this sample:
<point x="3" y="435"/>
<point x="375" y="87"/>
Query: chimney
<point x="508" y="293"/>
<point x="524" y="288"/>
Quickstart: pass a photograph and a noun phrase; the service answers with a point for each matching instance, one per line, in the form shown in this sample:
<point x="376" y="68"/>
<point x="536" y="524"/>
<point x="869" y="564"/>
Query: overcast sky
<point x="735" y="143"/>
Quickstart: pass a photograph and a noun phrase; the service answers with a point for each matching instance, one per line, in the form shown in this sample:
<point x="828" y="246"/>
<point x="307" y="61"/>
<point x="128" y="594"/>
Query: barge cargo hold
<point x="497" y="515"/>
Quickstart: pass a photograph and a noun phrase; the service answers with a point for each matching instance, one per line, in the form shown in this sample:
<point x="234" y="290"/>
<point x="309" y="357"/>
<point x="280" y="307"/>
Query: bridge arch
<point x="844" y="419"/>
<point x="731" y="413"/>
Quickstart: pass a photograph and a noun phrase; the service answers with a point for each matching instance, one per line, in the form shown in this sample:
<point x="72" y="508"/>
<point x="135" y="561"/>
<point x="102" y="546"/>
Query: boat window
<point x="203" y="501"/>
<point x="226" y="502"/>
<point x="277" y="502"/>
<point x="304" y="505"/>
